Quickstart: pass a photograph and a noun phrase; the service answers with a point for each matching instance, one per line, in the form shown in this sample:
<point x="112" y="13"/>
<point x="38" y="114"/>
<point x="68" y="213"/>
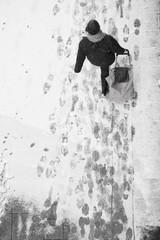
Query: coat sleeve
<point x="115" y="47"/>
<point x="80" y="59"/>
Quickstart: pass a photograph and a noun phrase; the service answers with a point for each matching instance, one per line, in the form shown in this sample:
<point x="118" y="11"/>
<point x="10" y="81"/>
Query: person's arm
<point x="116" y="48"/>
<point x="80" y="59"/>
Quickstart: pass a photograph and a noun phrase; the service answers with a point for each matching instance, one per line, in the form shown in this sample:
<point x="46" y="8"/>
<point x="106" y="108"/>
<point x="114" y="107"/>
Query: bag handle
<point x="129" y="57"/>
<point x="127" y="53"/>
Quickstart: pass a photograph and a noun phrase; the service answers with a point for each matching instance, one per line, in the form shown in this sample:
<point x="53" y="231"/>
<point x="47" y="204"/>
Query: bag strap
<point x="129" y="57"/>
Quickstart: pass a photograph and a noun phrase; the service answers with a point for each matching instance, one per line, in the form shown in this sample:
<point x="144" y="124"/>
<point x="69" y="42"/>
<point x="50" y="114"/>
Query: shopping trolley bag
<point x="122" y="72"/>
<point x="121" y="81"/>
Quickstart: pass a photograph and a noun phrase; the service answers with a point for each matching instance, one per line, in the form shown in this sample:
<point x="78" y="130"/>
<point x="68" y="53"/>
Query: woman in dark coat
<point x="100" y="49"/>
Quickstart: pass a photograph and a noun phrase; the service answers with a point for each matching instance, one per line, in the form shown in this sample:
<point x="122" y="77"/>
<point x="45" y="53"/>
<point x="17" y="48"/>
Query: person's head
<point x="93" y="27"/>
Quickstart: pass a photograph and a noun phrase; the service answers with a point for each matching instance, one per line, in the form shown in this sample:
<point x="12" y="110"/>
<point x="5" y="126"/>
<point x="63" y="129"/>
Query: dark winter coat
<point x="101" y="53"/>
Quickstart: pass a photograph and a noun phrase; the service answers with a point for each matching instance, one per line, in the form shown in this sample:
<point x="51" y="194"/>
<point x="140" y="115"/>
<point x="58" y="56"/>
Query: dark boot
<point x="105" y="86"/>
<point x="104" y="83"/>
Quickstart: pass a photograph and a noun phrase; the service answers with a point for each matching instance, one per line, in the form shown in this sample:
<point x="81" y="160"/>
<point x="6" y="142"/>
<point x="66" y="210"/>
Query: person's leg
<point x="104" y="83"/>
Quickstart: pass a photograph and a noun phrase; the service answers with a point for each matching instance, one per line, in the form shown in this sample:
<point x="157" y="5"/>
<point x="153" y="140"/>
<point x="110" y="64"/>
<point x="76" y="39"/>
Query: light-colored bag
<point x="121" y="92"/>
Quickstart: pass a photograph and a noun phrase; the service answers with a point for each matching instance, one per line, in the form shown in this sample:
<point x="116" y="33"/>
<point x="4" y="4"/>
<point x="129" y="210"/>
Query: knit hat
<point x="93" y="27"/>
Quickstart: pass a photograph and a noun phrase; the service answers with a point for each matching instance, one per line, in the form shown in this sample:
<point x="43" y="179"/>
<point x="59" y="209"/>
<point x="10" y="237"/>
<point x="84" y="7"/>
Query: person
<point x="100" y="49"/>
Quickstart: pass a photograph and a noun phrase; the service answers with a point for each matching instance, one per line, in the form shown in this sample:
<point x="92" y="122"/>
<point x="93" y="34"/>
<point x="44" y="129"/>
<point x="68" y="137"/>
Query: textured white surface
<point x="52" y="121"/>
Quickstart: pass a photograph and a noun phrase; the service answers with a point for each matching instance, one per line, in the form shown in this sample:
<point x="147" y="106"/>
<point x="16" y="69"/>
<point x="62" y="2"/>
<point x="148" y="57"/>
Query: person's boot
<point x="105" y="91"/>
<point x="105" y="86"/>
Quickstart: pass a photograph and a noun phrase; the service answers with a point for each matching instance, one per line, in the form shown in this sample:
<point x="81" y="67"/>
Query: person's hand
<point x="126" y="51"/>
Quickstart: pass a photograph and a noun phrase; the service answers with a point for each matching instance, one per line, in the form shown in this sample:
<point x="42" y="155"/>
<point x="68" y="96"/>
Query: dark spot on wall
<point x="44" y="214"/>
<point x="52" y="217"/>
<point x="111" y="170"/>
<point x="136" y="31"/>
<point x="117" y="138"/>
<point x="82" y="224"/>
<point x="66" y="229"/>
<point x="87" y="146"/>
<point x="125" y="196"/>
<point x="125" y="145"/>
<point x="119" y="4"/>
<point x="97" y="222"/>
<point x="137" y="23"/>
<point x="124" y="157"/>
<point x="96" y="130"/>
<point x="106" y="181"/>
<point x="75" y="99"/>
<point x="103" y="171"/>
<point x="73" y="228"/>
<point x="47" y="203"/>
<point x="115" y="187"/>
<point x="85" y="209"/>
<point x="89" y="167"/>
<point x="117" y="228"/>
<point x="90" y="192"/>
<point x="127" y="186"/>
<point x="105" y="135"/>
<point x="95" y="156"/>
<point x="56" y="9"/>
<point x="150" y="233"/>
<point x="129" y="234"/>
<point x="87" y="221"/>
<point x="53" y="128"/>
<point x="97" y="233"/>
<point x="45" y="149"/>
<point x="36" y="228"/>
<point x="107" y="231"/>
<point x="83" y="4"/>
<point x="130" y="170"/>
<point x="32" y="145"/>
<point x="120" y="215"/>
<point x="59" y="39"/>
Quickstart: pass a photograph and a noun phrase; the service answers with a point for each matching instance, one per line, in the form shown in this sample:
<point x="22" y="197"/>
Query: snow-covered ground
<point x="66" y="150"/>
